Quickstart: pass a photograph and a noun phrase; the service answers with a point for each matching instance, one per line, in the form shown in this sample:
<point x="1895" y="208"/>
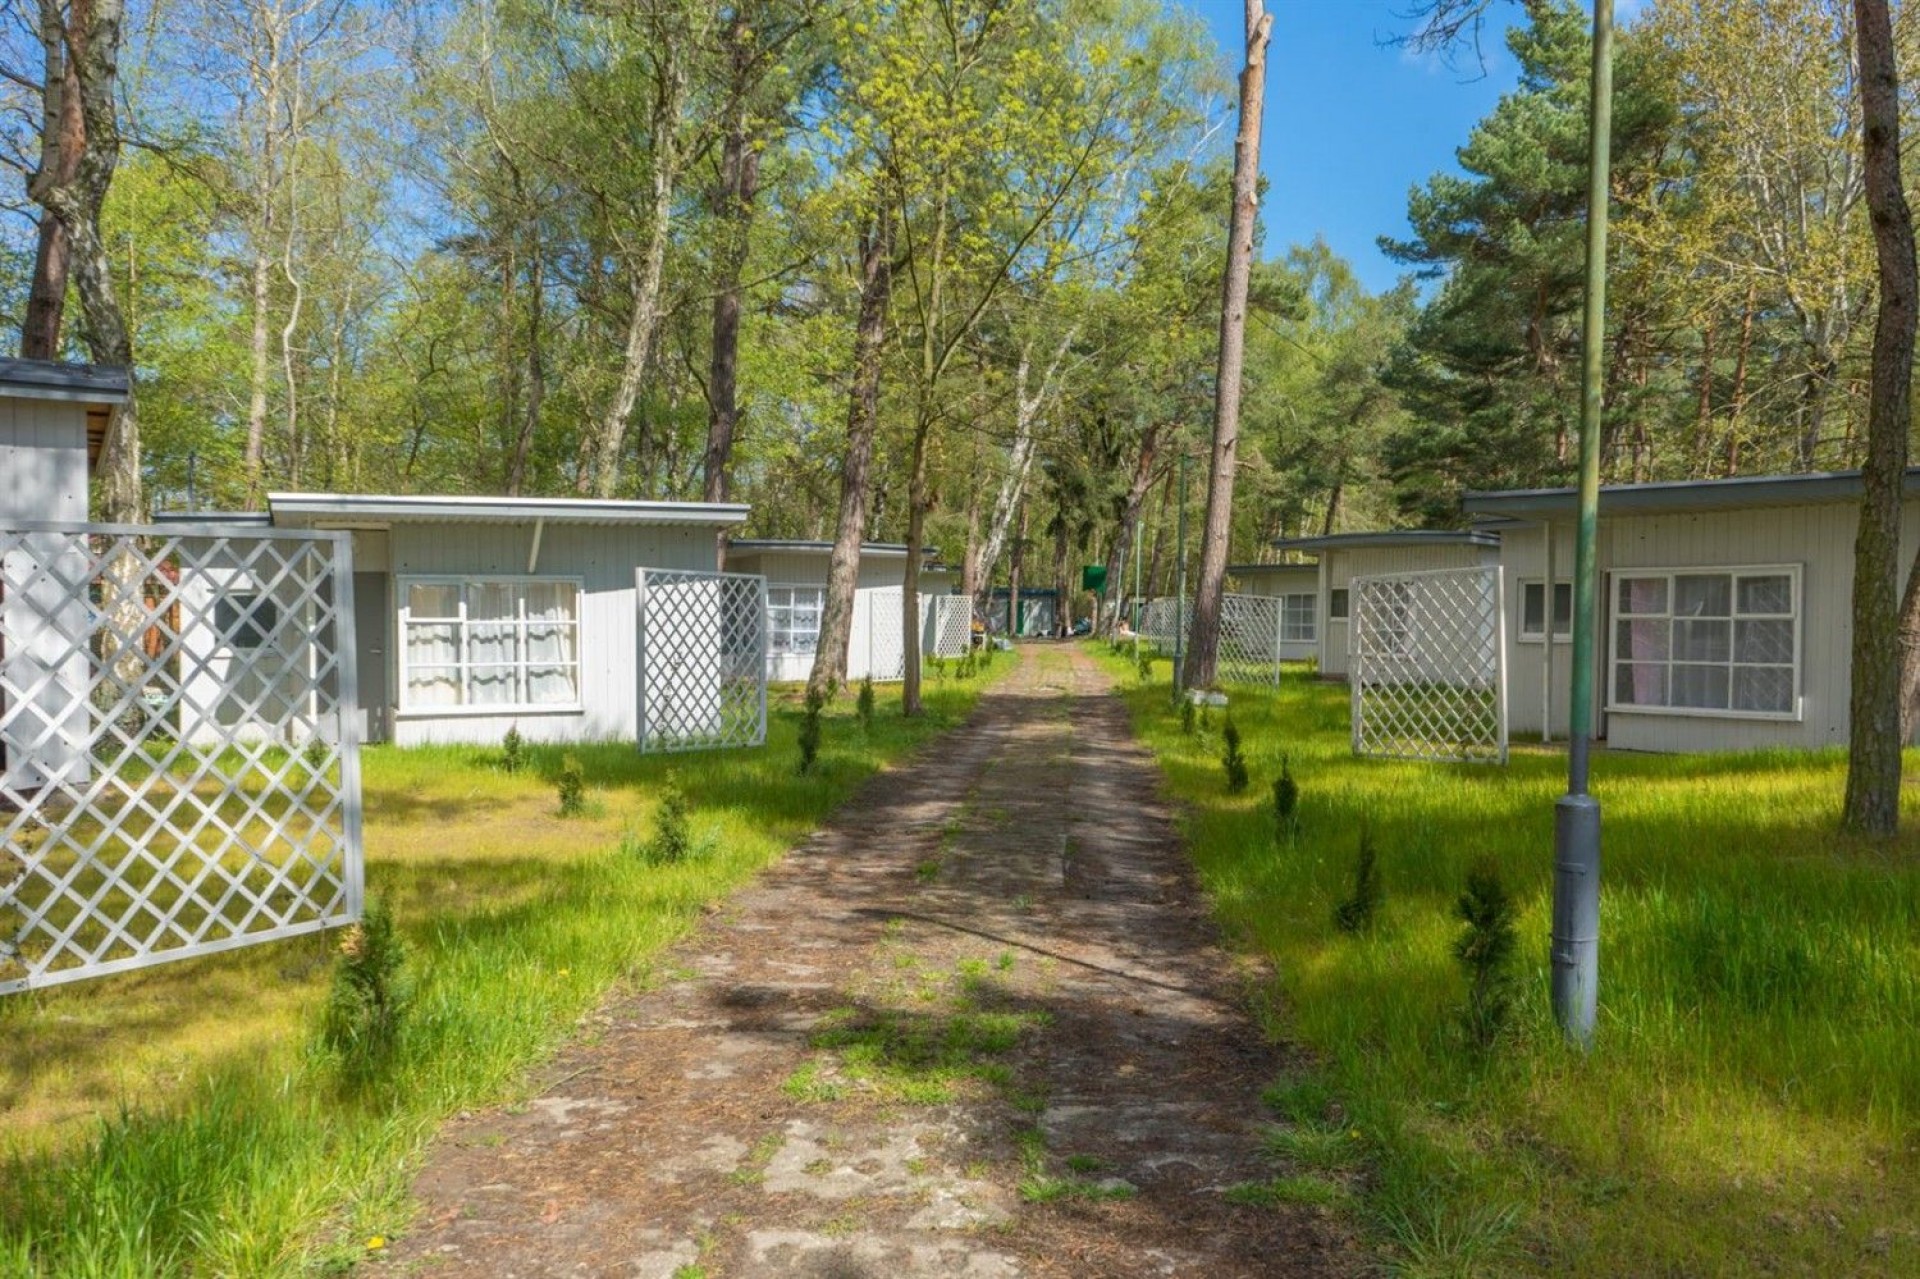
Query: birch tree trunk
<point x="1204" y="642"/>
<point x="863" y="414"/>
<point x="733" y="207"/>
<point x="602" y="477"/>
<point x="1027" y="411"/>
<point x="1137" y="490"/>
<point x="1880" y="641"/>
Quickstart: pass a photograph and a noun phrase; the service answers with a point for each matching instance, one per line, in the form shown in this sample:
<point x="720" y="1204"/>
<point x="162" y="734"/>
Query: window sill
<point x="1562" y="640"/>
<point x="1794" y="716"/>
<point x="469" y="712"/>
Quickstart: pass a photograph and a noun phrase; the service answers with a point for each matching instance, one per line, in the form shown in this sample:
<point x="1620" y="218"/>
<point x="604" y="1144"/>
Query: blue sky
<point x="1352" y="122"/>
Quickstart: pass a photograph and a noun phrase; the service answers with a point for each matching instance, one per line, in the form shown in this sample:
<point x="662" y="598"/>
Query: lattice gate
<point x="1429" y="665"/>
<point x="1249" y="651"/>
<point x="950" y="625"/>
<point x="702" y="676"/>
<point x="179" y="745"/>
<point x="877" y="650"/>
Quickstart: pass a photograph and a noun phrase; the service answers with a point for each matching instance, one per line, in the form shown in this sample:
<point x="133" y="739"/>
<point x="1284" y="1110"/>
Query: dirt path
<point x="978" y="1027"/>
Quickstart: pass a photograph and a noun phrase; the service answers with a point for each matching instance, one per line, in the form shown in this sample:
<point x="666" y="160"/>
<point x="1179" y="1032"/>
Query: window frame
<point x="1520" y="632"/>
<point x="405" y="708"/>
<point x="820" y="616"/>
<point x="255" y="613"/>
<point x="1312" y="599"/>
<point x="1345" y="601"/>
<point x="1733" y="572"/>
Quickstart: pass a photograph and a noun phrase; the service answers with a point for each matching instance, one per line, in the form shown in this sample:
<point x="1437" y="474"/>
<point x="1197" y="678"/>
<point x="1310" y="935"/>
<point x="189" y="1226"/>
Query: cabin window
<point x="1714" y="642"/>
<point x="1337" y="604"/>
<point x="245" y="619"/>
<point x="1296" y="619"/>
<point x="489" y="644"/>
<point x="1533" y="610"/>
<point x="793" y="619"/>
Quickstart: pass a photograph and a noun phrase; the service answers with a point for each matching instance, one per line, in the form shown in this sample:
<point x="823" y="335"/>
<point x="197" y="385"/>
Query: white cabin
<point x="1345" y="556"/>
<point x="1724" y="609"/>
<point x="1297" y="587"/>
<point x="796" y="573"/>
<point x="53" y="421"/>
<point x="474" y="615"/>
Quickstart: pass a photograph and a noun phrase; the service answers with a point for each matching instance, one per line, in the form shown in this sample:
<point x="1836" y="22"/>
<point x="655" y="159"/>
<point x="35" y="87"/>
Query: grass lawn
<point x="1752" y="1103"/>
<point x="181" y="1121"/>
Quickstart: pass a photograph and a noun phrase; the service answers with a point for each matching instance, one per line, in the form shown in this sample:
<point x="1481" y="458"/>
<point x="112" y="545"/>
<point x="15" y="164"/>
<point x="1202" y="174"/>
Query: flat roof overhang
<point x="1678" y="496"/>
<point x="1387" y="538"/>
<point x="372" y="511"/>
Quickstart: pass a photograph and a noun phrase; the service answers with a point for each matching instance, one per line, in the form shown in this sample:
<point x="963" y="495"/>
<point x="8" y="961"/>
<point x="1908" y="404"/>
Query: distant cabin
<point x="474" y="615"/>
<point x="796" y="573"/>
<point x="1341" y="557"/>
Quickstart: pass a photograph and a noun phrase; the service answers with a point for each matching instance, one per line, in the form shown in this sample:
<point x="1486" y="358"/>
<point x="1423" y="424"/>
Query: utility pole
<point x="1576" y="824"/>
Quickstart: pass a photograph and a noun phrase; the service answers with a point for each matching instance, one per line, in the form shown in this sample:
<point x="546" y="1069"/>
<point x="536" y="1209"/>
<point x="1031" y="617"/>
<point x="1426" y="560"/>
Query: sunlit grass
<point x="179" y="1121"/>
<point x="1752" y="1103"/>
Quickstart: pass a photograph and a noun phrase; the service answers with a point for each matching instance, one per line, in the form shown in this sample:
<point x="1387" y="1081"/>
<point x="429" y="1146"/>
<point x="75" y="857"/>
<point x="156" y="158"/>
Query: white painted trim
<point x="1799" y="615"/>
<point x="1521" y="635"/>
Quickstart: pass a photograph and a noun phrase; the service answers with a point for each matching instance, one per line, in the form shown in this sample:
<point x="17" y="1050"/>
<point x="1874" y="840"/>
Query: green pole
<point x="1576" y="834"/>
<point x="1180" y="590"/>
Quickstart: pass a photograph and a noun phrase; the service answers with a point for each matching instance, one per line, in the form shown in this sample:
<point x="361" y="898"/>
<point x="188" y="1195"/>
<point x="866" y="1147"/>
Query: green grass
<point x="180" y="1121"/>
<point x="1752" y="1101"/>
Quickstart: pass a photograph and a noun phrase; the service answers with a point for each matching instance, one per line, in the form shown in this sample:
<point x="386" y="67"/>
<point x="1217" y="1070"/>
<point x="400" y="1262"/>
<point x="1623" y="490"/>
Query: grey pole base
<point x="1576" y="915"/>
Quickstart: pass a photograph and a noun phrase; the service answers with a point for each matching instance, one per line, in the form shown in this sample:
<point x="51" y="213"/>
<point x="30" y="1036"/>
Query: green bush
<point x="1485" y="950"/>
<point x="863" y="705"/>
<point x="371" y="993"/>
<point x="810" y="731"/>
<point x="1286" y="801"/>
<point x="1356" y="914"/>
<point x="572" y="787"/>
<point x="513" y="751"/>
<point x="1189" y="715"/>
<point x="1233" y="761"/>
<point x="672" y="830"/>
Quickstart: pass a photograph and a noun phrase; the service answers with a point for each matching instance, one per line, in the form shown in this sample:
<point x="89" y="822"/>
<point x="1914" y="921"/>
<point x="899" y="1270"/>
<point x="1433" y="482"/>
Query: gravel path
<point x="980" y="1026"/>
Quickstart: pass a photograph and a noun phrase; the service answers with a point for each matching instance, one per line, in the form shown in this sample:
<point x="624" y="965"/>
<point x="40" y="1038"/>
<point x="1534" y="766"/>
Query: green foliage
<point x="1233" y="760"/>
<point x="1356" y="914"/>
<point x="1143" y="664"/>
<point x="863" y="705"/>
<point x="513" y="751"/>
<point x="938" y="665"/>
<point x="371" y="993"/>
<point x="571" y="785"/>
<point x="810" y="731"/>
<point x="672" y="840"/>
<point x="1189" y="716"/>
<point x="1286" y="801"/>
<point x="1485" y="950"/>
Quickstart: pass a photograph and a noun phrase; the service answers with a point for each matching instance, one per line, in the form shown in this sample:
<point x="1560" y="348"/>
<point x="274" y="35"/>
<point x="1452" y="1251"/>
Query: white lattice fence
<point x="878" y="616"/>
<point x="1163" y="619"/>
<point x="179" y="758"/>
<point x="703" y="659"/>
<point x="1249" y="639"/>
<point x="951" y="626"/>
<point x="1429" y="670"/>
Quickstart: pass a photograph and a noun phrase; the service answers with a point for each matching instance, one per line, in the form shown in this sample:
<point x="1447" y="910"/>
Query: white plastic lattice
<point x="1249" y="651"/>
<point x="1429" y="669"/>
<point x="880" y="641"/>
<point x="179" y="761"/>
<point x="703" y="659"/>
<point x="951" y="626"/>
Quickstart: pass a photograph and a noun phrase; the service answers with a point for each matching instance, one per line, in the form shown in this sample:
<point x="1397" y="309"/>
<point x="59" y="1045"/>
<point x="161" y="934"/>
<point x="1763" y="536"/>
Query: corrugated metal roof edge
<point x="1681" y="495"/>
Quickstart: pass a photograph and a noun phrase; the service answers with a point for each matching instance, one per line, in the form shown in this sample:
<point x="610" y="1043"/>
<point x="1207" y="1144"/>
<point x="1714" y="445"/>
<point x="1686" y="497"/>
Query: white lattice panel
<point x="1428" y="666"/>
<point x="1249" y="650"/>
<point x="951" y="626"/>
<point x="703" y="659"/>
<point x="179" y="762"/>
<point x="885" y="644"/>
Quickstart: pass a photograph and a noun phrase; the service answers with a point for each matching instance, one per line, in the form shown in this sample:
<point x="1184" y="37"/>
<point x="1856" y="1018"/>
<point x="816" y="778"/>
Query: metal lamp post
<point x="1576" y="826"/>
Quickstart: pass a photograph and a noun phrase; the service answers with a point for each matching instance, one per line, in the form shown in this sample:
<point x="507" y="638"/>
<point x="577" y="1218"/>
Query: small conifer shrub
<point x="1485" y="950"/>
<point x="672" y="829"/>
<point x="810" y="731"/>
<point x="1233" y="760"/>
<point x="863" y="705"/>
<point x="1286" y="801"/>
<point x="372" y="990"/>
<point x="572" y="787"/>
<point x="513" y="751"/>
<point x="1356" y="914"/>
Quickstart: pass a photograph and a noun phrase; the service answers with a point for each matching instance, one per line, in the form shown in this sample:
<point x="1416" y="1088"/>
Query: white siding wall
<point x="43" y="477"/>
<point x="604" y="557"/>
<point x="1523" y="553"/>
<point x="1340" y="567"/>
<point x="809" y="568"/>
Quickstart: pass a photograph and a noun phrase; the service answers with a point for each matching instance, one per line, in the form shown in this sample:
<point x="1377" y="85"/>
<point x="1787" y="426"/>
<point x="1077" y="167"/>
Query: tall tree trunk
<point x="1872" y="805"/>
<point x="863" y="415"/>
<point x="1737" y="410"/>
<point x="1159" y="536"/>
<point x="536" y="374"/>
<point x="602" y="477"/>
<point x="1137" y="491"/>
<point x="1062" y="592"/>
<point x="63" y="139"/>
<point x="1204" y="644"/>
<point x="918" y="502"/>
<point x="253" y="462"/>
<point x="1703" y="415"/>
<point x="1027" y="411"/>
<point x="733" y="206"/>
<point x="1016" y="561"/>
